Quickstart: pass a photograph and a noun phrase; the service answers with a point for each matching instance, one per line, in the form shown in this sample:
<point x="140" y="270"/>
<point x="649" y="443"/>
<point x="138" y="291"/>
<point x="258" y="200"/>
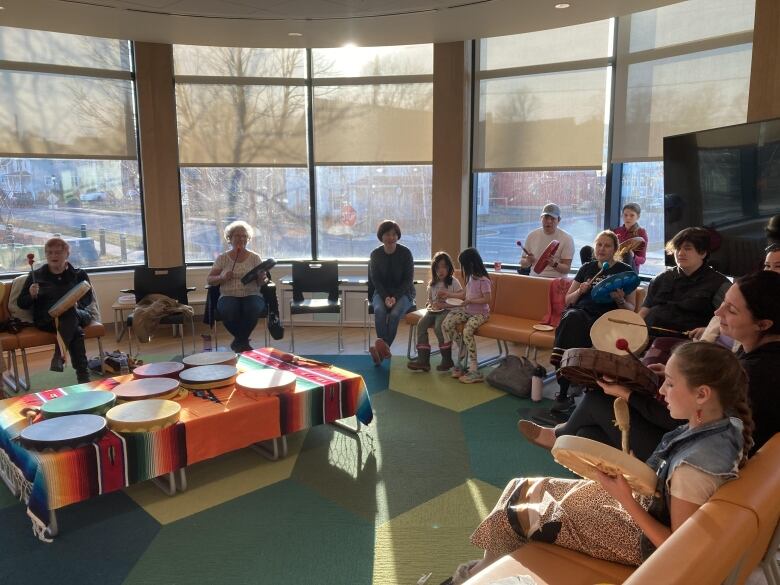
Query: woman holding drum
<point x="44" y="288"/>
<point x="603" y="518"/>
<point x="583" y="309"/>
<point x="239" y="304"/>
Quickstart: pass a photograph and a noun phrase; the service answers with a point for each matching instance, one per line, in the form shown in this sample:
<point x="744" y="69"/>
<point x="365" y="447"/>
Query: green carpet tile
<point x="397" y="501"/>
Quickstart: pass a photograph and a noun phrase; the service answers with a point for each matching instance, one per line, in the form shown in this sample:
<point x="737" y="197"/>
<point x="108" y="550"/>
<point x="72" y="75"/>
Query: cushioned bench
<point x="518" y="303"/>
<point x="30" y="336"/>
<point x="722" y="542"/>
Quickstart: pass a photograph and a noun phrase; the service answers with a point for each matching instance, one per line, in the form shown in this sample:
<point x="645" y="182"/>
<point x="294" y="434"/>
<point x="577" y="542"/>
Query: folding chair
<point x="315" y="277"/>
<point x="171" y="282"/>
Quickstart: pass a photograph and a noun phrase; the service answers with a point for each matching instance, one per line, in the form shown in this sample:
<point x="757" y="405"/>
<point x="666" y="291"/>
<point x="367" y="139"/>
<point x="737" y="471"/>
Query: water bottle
<point x="124" y="367"/>
<point x="537" y="383"/>
<point x="206" y="337"/>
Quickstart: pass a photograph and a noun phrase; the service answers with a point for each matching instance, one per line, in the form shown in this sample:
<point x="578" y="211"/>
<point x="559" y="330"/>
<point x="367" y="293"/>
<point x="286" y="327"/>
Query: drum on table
<point x="588" y="366"/>
<point x="620" y="324"/>
<point x="146" y="388"/>
<point x="208" y="377"/>
<point x="585" y="457"/>
<point x="547" y="256"/>
<point x="70" y="298"/>
<point x="93" y="402"/>
<point x="266" y="382"/>
<point x="158" y="370"/>
<point x="210" y="358"/>
<point x="63" y="432"/>
<point x="626" y="281"/>
<point x="144" y="416"/>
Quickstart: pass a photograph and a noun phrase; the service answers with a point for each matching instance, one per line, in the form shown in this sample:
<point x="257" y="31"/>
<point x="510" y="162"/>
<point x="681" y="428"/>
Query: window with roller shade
<point x="68" y="154"/>
<point x="373" y="133"/>
<point x="677" y="72"/>
<point x="540" y="134"/>
<point x="242" y="148"/>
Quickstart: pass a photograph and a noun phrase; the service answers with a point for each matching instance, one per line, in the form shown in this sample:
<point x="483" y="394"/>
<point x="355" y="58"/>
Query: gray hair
<point x="233" y="226"/>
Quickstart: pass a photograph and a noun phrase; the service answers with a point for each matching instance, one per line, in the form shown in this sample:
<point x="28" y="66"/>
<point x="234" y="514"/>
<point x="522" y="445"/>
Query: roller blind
<point x="390" y="123"/>
<point x="235" y="125"/>
<point x="46" y="115"/>
<point x="238" y="62"/>
<point x="552" y="120"/>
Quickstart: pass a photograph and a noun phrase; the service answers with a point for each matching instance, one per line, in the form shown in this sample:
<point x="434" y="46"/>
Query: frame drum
<point x="70" y="298"/>
<point x="626" y="281"/>
<point x="144" y="416"/>
<point x="266" y="382"/>
<point x="587" y="366"/>
<point x="546" y="256"/>
<point x="585" y="456"/>
<point x="208" y="377"/>
<point x="92" y="402"/>
<point x="63" y="431"/>
<point x="210" y="358"/>
<point x="147" y="388"/>
<point x="619" y="324"/>
<point x="159" y="370"/>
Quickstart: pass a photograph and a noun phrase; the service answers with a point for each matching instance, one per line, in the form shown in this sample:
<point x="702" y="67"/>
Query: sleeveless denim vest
<point x="715" y="448"/>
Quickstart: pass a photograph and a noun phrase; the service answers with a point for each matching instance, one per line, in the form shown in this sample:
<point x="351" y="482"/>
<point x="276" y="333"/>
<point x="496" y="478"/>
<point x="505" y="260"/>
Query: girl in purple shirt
<point x="473" y="313"/>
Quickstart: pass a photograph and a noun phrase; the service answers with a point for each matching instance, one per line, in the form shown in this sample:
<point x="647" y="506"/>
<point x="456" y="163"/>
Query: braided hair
<point x="710" y="364"/>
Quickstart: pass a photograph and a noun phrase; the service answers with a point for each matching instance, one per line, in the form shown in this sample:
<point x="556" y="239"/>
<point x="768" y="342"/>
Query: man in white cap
<point x="540" y="238"/>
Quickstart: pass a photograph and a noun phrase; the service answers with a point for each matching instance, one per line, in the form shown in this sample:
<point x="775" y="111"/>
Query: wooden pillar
<point x="764" y="100"/>
<point x="159" y="155"/>
<point x="451" y="146"/>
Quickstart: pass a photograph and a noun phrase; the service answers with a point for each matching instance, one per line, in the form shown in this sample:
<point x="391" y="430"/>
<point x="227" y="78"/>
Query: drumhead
<point x="63" y="431"/>
<point x="143" y="416"/>
<point x="92" y="402"/>
<point x="266" y="381"/>
<point x="207" y="377"/>
<point x="584" y="456"/>
<point x="620" y="324"/>
<point x="626" y="281"/>
<point x="546" y="256"/>
<point x="159" y="370"/>
<point x="145" y="388"/>
<point x="69" y="299"/>
<point x="210" y="358"/>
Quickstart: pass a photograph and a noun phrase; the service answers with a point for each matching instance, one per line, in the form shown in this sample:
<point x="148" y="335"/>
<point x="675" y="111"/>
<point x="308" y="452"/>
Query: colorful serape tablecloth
<point x="323" y="393"/>
<point x="54" y="479"/>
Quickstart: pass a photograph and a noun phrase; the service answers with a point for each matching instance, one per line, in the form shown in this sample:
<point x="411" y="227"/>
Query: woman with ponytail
<point x="705" y="386"/>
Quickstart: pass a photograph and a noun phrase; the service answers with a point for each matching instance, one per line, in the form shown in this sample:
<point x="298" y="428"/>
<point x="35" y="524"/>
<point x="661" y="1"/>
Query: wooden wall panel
<point x="451" y="146"/>
<point x="764" y="100"/>
<point x="159" y="155"/>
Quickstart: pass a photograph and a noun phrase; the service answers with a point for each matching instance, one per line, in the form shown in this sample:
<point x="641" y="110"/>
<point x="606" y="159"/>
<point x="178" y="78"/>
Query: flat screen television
<point x="728" y="180"/>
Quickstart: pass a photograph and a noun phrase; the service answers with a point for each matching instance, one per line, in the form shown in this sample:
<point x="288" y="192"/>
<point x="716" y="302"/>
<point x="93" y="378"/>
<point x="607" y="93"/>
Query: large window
<point x="68" y="161"/>
<point x="541" y="135"/>
<point x="676" y="72"/>
<point x="242" y="148"/>
<point x="373" y="134"/>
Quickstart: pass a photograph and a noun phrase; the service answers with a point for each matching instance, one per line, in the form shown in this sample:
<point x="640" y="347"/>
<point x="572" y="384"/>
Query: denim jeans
<point x="240" y="315"/>
<point x="387" y="320"/>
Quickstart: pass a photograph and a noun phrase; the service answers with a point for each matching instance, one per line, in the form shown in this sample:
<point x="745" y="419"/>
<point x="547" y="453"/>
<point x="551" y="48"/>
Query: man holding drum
<point x="47" y="285"/>
<point x="538" y="241"/>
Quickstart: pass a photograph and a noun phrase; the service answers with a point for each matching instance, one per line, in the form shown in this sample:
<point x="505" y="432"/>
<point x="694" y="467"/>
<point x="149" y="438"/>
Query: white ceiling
<point x="322" y="23"/>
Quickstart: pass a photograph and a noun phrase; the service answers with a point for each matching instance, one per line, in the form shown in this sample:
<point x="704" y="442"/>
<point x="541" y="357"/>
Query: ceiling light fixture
<point x="562" y="5"/>
<point x="294" y="34"/>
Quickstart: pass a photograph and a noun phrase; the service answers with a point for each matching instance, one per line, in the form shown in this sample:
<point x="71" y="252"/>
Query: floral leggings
<point x="465" y="341"/>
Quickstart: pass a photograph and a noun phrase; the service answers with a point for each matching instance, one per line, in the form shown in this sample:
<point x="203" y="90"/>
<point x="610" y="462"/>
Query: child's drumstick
<point x="31" y="261"/>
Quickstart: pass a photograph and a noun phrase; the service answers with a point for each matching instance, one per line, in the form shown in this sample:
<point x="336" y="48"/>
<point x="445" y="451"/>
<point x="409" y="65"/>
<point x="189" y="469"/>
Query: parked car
<point x="94" y="196"/>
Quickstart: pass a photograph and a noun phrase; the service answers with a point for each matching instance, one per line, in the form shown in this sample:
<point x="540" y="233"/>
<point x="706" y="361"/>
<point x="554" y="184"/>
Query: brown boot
<point x="446" y="359"/>
<point x="423" y="361"/>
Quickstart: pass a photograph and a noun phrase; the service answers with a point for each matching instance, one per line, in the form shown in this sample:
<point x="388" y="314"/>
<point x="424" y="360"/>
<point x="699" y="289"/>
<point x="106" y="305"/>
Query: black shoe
<point x="235" y="345"/>
<point x="83" y="377"/>
<point x="562" y="404"/>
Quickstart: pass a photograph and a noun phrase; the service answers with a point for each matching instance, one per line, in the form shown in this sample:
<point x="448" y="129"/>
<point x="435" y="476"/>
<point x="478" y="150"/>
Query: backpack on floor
<point x="513" y="375"/>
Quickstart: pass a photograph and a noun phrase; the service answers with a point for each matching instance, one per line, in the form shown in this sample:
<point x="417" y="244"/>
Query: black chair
<point x="315" y="277"/>
<point x="368" y="322"/>
<point x="171" y="282"/>
<point x="211" y="315"/>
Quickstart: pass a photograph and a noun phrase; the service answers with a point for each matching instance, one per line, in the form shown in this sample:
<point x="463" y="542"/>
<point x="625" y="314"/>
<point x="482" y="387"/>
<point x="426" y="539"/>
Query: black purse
<point x="275" y="327"/>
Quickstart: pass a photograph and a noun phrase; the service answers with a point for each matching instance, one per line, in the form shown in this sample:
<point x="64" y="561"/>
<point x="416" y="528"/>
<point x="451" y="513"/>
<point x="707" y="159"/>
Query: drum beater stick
<point x="31" y="261"/>
<point x="622" y="322"/>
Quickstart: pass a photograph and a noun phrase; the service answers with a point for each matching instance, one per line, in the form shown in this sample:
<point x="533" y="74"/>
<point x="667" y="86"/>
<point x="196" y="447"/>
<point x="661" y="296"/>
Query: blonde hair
<point x="233" y="226"/>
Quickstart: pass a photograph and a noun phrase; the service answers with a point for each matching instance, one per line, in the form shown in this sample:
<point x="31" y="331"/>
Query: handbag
<point x="275" y="327"/>
<point x="513" y="375"/>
